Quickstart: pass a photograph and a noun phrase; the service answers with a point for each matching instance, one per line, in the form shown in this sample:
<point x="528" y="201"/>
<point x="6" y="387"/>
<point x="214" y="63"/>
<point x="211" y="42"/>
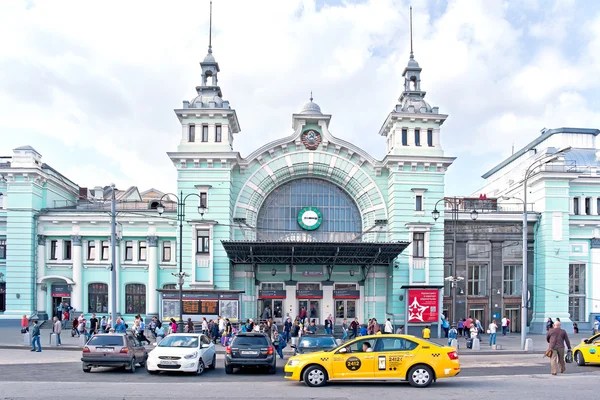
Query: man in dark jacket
<point x="556" y="339"/>
<point x="287" y="327"/>
<point x="35" y="337"/>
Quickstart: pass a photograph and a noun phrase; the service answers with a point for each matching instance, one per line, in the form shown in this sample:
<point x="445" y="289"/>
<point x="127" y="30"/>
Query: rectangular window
<point x="513" y="280"/>
<point x="417" y="137"/>
<point x="218" y="134"/>
<point x="91" y="250"/>
<point x="53" y="249"/>
<point x="166" y="253"/>
<point x="104" y="254"/>
<point x="477" y="276"/>
<point x="142" y="250"/>
<point x="135" y="299"/>
<point x="66" y="250"/>
<point x="204" y="199"/>
<point x="129" y="250"/>
<point x="192" y="133"/>
<point x="418" y="245"/>
<point x="404" y="137"/>
<point x="588" y="206"/>
<point x="430" y="137"/>
<point x="203" y="241"/>
<point x="418" y="203"/>
<point x="577" y="292"/>
<point x="205" y="133"/>
<point x="598" y="206"/>
<point x="97" y="298"/>
<point x="2" y="249"/>
<point x="576" y="205"/>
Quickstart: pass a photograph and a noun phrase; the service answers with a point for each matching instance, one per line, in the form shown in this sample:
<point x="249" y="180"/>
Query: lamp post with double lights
<point x="453" y="285"/>
<point x="454" y="203"/>
<point x="181" y="200"/>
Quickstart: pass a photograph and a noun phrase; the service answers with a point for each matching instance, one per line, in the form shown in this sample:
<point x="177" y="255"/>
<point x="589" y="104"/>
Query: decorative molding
<point x="61" y="265"/>
<point x="134" y="266"/>
<point x="41" y="240"/>
<point x="152" y="241"/>
<point x="104" y="266"/>
<point x="76" y="240"/>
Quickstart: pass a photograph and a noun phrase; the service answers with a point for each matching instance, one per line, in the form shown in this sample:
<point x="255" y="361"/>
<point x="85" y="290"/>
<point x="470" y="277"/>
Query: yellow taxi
<point x="376" y="357"/>
<point x="588" y="351"/>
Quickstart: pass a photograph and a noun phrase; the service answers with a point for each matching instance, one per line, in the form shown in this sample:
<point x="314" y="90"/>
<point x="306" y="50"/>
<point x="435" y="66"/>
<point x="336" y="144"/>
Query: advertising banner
<point x="423" y="305"/>
<point x="271" y="294"/>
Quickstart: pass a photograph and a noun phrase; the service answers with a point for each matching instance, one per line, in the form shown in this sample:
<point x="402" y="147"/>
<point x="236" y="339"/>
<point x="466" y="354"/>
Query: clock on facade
<point x="310" y="218"/>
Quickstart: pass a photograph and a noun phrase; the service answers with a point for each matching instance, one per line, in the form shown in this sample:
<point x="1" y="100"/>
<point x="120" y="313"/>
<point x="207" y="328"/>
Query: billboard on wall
<point x="423" y="305"/>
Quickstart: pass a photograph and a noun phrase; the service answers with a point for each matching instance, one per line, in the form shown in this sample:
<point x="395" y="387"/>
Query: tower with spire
<point x="208" y="122"/>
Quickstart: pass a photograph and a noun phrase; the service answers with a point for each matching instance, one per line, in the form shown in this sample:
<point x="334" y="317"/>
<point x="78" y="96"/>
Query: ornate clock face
<point x="310" y="218"/>
<point x="311" y="139"/>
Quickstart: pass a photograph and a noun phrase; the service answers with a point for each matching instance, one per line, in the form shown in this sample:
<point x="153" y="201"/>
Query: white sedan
<point x="185" y="352"/>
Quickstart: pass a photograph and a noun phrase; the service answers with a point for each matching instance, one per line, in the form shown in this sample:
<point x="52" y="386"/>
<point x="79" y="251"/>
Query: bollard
<point x="53" y="339"/>
<point x="27" y="339"/>
<point x="528" y="344"/>
<point x="494" y="347"/>
<point x="476" y="344"/>
<point x="454" y="343"/>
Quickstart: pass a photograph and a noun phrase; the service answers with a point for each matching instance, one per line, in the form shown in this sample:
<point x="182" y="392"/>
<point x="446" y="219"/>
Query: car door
<point x="393" y="357"/>
<point x="206" y="352"/>
<point x="594" y="350"/>
<point x="352" y="362"/>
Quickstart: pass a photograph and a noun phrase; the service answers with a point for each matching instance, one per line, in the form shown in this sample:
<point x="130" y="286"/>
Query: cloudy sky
<point x="92" y="85"/>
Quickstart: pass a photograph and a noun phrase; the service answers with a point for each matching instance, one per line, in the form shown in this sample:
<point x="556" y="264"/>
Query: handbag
<point x="569" y="357"/>
<point x="548" y="353"/>
<point x="23" y="330"/>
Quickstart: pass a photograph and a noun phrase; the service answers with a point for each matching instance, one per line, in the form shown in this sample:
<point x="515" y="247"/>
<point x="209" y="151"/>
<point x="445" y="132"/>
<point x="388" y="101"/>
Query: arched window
<point x="135" y="298"/>
<point x="98" y="298"/>
<point x="278" y="216"/>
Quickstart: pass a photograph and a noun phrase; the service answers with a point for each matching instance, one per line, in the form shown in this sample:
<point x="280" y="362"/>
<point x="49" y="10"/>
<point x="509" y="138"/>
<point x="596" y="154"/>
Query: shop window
<point x="203" y="241"/>
<point x="142" y="251"/>
<point x="53" y="249"/>
<point x="513" y="280"/>
<point x="2" y="249"/>
<point x="192" y="133"/>
<point x="477" y="276"/>
<point x="166" y="251"/>
<point x="135" y="298"/>
<point x="97" y="298"/>
<point x="104" y="254"/>
<point x="91" y="250"/>
<point x="66" y="250"/>
<point x="129" y="250"/>
<point x="418" y="245"/>
<point x="577" y="292"/>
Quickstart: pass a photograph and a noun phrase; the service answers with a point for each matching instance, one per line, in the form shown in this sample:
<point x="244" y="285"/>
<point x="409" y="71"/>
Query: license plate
<point x="104" y="349"/>
<point x="248" y="353"/>
<point x="168" y="362"/>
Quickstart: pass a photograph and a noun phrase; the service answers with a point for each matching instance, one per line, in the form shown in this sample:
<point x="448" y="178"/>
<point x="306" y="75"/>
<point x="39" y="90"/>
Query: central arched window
<point x="135" y="298"/>
<point x="278" y="216"/>
<point x="97" y="298"/>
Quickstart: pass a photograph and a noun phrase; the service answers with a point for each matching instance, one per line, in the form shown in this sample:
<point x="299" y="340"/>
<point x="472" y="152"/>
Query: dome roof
<point x="415" y="105"/>
<point x="311" y="108"/>
<point x="209" y="58"/>
<point x="412" y="63"/>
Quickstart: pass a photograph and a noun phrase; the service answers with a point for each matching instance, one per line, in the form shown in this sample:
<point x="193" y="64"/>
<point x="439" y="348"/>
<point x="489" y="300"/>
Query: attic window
<point x="154" y="205"/>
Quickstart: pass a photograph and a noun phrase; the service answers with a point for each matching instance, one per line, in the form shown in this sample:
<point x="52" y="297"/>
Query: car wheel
<point x="315" y="376"/>
<point x="213" y="364"/>
<point x="420" y="376"/>
<point x="228" y="369"/>
<point x="132" y="366"/>
<point x="200" y="368"/>
<point x="579" y="359"/>
<point x="86" y="368"/>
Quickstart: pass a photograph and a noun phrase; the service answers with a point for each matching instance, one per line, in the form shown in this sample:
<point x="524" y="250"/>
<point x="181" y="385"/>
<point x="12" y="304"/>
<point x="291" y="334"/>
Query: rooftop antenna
<point x="210" y="30"/>
<point x="311" y="97"/>
<point x="411" y="34"/>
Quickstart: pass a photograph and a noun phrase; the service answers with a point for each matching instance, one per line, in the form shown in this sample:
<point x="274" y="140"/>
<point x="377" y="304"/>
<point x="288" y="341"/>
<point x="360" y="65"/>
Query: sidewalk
<point x="11" y="338"/>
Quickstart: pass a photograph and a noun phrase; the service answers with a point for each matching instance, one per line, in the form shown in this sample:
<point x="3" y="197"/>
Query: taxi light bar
<point x="270" y="351"/>
<point x="453" y="355"/>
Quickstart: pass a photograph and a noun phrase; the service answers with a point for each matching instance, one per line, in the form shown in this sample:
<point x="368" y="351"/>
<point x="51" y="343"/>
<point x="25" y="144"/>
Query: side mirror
<point x="343" y="350"/>
<point x="205" y="346"/>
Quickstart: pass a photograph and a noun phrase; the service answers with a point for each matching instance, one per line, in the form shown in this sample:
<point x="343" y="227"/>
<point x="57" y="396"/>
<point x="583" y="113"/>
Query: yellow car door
<point x="393" y="356"/>
<point x="355" y="361"/>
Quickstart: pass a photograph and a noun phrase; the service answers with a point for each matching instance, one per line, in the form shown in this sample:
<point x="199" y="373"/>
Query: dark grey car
<point x="113" y="350"/>
<point x="250" y="349"/>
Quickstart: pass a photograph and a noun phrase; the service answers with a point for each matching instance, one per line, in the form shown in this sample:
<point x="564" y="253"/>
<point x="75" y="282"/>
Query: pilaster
<point x="151" y="293"/>
<point x="77" y="291"/>
<point x="41" y="272"/>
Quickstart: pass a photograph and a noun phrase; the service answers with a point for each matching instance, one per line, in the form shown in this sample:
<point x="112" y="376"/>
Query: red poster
<point x="423" y="305"/>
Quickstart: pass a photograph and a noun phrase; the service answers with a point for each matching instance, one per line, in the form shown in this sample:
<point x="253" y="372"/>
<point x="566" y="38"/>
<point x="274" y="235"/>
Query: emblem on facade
<point x="310" y="218"/>
<point x="311" y="139"/>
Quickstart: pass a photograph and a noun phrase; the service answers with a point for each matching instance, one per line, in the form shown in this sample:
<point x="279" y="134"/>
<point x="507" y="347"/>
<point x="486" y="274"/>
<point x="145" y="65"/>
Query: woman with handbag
<point x="24" y="324"/>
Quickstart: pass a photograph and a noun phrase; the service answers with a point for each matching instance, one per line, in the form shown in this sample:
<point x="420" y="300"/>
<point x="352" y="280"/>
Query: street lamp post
<point x="454" y="202"/>
<point x="113" y="254"/>
<point x="180" y="218"/>
<point x="453" y="285"/>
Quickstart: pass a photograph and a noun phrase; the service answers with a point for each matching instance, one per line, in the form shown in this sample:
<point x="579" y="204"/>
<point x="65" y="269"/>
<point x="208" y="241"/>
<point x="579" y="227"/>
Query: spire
<point x="210" y="31"/>
<point x="411" y="34"/>
<point x="311" y="97"/>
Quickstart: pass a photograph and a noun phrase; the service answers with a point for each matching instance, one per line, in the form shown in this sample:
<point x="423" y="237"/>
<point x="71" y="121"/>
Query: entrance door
<point x="345" y="309"/>
<point x="478" y="313"/>
<point x="273" y="308"/>
<point x="313" y="309"/>
<point x="514" y="315"/>
<point x="55" y="303"/>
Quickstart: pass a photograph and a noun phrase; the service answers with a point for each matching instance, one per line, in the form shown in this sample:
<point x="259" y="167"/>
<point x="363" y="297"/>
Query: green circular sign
<point x="310" y="218"/>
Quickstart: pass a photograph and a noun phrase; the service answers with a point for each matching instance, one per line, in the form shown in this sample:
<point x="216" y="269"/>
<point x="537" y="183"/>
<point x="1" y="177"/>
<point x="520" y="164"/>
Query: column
<point x="41" y="272"/>
<point x="77" y="292"/>
<point x="436" y="137"/>
<point x="410" y="139"/>
<point x="594" y="274"/>
<point x="360" y="309"/>
<point x="118" y="267"/>
<point x="291" y="303"/>
<point x="151" y="293"/>
<point x="328" y="306"/>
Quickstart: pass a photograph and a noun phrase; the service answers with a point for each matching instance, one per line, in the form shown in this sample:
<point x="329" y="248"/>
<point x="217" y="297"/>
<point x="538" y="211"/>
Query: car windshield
<point x="108" y="340"/>
<point x="323" y="342"/>
<point x="179" y="341"/>
<point x="250" y="341"/>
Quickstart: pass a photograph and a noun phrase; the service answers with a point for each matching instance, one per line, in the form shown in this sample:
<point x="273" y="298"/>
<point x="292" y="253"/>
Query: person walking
<point x="189" y="327"/>
<point x="549" y="324"/>
<point x="452" y="334"/>
<point x="295" y="332"/>
<point x="65" y="318"/>
<point x="467" y="327"/>
<point x="24" y="324"/>
<point x="120" y="326"/>
<point x="461" y="325"/>
<point x="388" y="328"/>
<point x="328" y="325"/>
<point x="492" y="331"/>
<point x="345" y="330"/>
<point x="287" y="327"/>
<point x="56" y="329"/>
<point x="279" y="343"/>
<point x="35" y="337"/>
<point x="93" y="325"/>
<point x="426" y="333"/>
<point x="504" y="325"/>
<point x="159" y="333"/>
<point x="596" y="325"/>
<point x="204" y="326"/>
<point x="557" y="338"/>
<point x="445" y="325"/>
<point x="354" y="327"/>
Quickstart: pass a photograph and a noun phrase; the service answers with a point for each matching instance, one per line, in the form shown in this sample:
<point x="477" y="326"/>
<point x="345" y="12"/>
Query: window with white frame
<point x="53" y="249"/>
<point x="192" y="133"/>
<point x="66" y="249"/>
<point x="166" y="251"/>
<point x="418" y="245"/>
<point x="588" y="206"/>
<point x="104" y="253"/>
<point x="577" y="292"/>
<point x="419" y="202"/>
<point x="205" y="133"/>
<point x="404" y="137"/>
<point x="218" y="134"/>
<point x="476" y="281"/>
<point x="2" y="249"/>
<point x="513" y="279"/>
<point x="204" y="199"/>
<point x="91" y="250"/>
<point x="203" y="241"/>
<point x="129" y="250"/>
<point x="142" y="254"/>
<point x="576" y="205"/>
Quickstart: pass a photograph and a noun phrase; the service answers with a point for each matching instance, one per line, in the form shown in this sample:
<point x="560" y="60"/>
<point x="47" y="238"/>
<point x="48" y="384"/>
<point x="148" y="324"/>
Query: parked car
<point x="312" y="343"/>
<point x="588" y="351"/>
<point x="182" y="352"/>
<point x="113" y="350"/>
<point x="250" y="349"/>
